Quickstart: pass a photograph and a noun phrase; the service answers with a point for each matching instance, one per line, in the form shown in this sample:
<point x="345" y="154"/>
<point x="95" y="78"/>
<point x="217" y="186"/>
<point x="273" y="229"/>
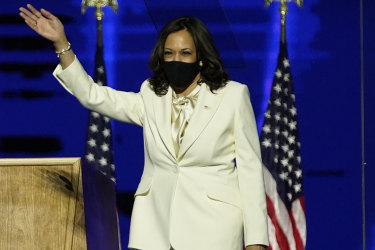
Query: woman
<point x="202" y="185"/>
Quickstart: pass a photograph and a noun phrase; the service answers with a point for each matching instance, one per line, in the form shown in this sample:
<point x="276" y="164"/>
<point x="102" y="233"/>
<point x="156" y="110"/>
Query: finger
<point x="34" y="11"/>
<point x="47" y="14"/>
<point x="32" y="25"/>
<point x="28" y="14"/>
<point x="29" y="21"/>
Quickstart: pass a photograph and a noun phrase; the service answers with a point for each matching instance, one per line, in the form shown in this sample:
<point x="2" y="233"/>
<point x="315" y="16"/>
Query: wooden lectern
<point x="42" y="206"/>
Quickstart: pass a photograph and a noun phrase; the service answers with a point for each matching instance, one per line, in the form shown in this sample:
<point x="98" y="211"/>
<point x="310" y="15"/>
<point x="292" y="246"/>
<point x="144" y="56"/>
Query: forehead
<point x="180" y="39"/>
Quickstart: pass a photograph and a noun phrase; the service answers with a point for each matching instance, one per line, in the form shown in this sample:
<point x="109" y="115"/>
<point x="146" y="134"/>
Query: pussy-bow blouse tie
<point x="182" y="109"/>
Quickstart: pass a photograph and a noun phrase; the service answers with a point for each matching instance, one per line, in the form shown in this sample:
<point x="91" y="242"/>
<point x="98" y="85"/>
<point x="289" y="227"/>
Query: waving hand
<point x="49" y="27"/>
<point x="43" y="23"/>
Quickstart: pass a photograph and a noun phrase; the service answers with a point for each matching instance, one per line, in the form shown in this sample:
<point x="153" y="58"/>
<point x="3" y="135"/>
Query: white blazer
<point x="211" y="196"/>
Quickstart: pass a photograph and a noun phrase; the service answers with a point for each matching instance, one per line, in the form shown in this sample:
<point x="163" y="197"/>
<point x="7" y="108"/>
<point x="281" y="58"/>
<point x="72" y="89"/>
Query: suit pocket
<point x="224" y="194"/>
<point x="144" y="186"/>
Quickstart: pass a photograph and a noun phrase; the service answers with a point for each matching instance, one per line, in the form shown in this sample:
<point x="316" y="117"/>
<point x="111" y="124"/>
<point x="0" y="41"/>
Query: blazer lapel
<point x="207" y="105"/>
<point x="162" y="111"/>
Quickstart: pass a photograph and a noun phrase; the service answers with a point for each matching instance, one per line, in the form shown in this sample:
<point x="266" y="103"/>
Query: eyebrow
<point x="181" y="49"/>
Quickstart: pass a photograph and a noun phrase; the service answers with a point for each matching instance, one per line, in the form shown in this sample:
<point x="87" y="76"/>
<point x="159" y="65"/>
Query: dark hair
<point x="212" y="70"/>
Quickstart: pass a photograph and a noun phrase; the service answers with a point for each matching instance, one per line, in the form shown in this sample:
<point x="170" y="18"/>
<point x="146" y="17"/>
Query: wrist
<point x="63" y="51"/>
<point x="61" y="44"/>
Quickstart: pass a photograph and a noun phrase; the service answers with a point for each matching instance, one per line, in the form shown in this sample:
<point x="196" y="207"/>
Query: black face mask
<point x="180" y="74"/>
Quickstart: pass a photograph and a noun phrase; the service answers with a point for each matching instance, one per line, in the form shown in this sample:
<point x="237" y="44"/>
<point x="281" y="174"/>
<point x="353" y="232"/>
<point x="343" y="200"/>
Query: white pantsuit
<point x="199" y="199"/>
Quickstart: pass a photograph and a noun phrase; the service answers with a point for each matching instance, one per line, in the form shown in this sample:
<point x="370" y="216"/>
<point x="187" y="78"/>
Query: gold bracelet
<point x="63" y="51"/>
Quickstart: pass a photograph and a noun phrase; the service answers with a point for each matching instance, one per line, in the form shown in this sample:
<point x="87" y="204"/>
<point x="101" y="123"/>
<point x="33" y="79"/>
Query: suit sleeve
<point x="119" y="105"/>
<point x="250" y="174"/>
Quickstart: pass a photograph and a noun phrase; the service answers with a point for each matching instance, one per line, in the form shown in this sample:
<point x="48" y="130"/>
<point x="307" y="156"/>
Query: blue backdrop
<point x="332" y="55"/>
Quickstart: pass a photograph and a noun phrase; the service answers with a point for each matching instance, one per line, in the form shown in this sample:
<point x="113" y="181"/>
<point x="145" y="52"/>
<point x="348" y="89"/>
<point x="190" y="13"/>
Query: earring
<point x="200" y="63"/>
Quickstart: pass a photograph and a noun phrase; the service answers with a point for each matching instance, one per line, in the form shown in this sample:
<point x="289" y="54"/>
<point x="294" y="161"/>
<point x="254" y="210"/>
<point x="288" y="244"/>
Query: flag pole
<point x="280" y="148"/>
<point x="99" y="4"/>
<point x="99" y="156"/>
<point x="99" y="26"/>
<point x="283" y="11"/>
<point x="96" y="156"/>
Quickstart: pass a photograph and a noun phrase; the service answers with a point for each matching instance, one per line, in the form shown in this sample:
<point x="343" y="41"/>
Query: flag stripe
<point x="300" y="219"/>
<point x="297" y="238"/>
<point x="272" y="236"/>
<point x="302" y="203"/>
<point x="281" y="213"/>
<point x="281" y="238"/>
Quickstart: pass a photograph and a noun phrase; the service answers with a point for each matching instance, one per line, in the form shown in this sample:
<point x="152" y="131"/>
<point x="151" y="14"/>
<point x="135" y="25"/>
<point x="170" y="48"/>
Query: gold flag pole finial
<point x="283" y="12"/>
<point x="298" y="2"/>
<point x="99" y="4"/>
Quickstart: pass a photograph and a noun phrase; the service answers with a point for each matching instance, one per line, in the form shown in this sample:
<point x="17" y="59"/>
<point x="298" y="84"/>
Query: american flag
<point x="99" y="140"/>
<point x="282" y="163"/>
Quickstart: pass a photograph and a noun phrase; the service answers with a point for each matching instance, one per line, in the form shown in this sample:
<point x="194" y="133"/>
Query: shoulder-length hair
<point x="212" y="69"/>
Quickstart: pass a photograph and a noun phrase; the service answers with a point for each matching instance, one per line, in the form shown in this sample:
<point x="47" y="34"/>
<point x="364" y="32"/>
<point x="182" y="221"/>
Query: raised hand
<point x="50" y="27"/>
<point x="44" y="23"/>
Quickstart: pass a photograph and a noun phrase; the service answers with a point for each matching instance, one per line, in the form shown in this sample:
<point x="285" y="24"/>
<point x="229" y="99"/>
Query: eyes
<point x="184" y="53"/>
